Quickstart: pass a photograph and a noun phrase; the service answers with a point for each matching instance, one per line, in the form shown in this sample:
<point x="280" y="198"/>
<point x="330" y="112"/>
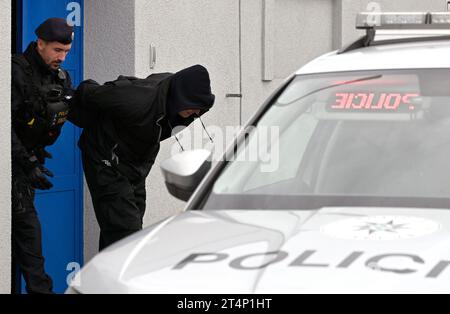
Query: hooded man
<point x="128" y="119"/>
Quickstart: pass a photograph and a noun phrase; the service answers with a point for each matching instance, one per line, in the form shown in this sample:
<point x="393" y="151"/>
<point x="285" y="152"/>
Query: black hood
<point x="189" y="89"/>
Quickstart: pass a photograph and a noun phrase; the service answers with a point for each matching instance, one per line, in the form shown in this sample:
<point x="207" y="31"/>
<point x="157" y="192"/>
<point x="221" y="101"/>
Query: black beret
<point x="55" y="29"/>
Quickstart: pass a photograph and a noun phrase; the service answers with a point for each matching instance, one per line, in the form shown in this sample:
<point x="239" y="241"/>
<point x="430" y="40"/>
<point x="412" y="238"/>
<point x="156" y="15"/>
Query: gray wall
<point x="284" y="36"/>
<point x="5" y="144"/>
<point x="109" y="51"/>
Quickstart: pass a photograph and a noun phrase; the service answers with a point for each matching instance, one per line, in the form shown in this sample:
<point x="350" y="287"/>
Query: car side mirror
<point x="184" y="172"/>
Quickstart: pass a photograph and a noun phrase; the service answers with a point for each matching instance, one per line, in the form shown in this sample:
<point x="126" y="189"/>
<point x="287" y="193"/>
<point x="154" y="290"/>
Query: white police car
<point x="353" y="194"/>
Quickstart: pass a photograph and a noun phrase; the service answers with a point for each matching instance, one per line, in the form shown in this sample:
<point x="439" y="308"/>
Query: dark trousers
<point x="26" y="239"/>
<point x="119" y="204"/>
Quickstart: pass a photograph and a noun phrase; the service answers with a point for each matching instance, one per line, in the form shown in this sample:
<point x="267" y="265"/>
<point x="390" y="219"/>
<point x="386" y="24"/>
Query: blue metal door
<point x="61" y="209"/>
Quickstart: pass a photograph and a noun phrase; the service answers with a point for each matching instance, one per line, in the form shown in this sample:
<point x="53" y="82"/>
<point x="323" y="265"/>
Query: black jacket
<point x="132" y="116"/>
<point x="30" y="125"/>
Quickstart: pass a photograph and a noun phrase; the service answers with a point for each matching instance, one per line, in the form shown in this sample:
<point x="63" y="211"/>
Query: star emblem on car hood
<point x="373" y="227"/>
<point x="381" y="228"/>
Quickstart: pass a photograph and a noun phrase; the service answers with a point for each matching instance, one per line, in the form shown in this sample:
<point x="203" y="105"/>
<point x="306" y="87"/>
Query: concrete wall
<point x="109" y="48"/>
<point x="249" y="46"/>
<point x="282" y="35"/>
<point x="109" y="51"/>
<point x="5" y="144"/>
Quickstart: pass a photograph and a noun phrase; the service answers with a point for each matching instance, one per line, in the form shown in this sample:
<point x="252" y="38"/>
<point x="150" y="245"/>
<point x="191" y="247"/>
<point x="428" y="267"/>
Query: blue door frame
<point x="61" y="209"/>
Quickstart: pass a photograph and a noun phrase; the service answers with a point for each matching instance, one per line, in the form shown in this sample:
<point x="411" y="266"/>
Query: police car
<point x="351" y="193"/>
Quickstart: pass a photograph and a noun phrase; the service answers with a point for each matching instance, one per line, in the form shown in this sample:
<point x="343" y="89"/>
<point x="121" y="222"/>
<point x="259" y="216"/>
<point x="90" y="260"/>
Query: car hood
<point x="331" y="250"/>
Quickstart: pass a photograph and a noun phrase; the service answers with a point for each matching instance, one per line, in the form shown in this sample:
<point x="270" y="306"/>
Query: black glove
<point x="55" y="93"/>
<point x="52" y="92"/>
<point x="41" y="154"/>
<point x="39" y="178"/>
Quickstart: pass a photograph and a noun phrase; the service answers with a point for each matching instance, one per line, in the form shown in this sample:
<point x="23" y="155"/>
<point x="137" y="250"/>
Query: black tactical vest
<point x="46" y="107"/>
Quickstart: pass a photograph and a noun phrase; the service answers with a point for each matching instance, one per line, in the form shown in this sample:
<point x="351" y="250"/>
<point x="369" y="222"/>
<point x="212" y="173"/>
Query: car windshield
<point x="369" y="138"/>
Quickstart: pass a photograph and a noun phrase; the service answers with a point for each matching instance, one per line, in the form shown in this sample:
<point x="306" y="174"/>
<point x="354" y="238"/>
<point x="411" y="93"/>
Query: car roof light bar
<point x="400" y="20"/>
<point x="374" y="21"/>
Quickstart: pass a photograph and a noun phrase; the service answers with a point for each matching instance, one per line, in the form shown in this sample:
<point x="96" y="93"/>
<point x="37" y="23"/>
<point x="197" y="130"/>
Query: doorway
<point x="61" y="209"/>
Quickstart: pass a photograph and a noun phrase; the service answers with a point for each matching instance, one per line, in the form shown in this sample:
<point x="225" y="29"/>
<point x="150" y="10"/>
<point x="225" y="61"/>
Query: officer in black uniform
<point x="39" y="108"/>
<point x="119" y="149"/>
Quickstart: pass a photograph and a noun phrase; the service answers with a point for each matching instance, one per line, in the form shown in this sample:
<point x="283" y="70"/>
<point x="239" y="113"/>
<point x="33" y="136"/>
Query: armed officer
<point x="39" y="108"/>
